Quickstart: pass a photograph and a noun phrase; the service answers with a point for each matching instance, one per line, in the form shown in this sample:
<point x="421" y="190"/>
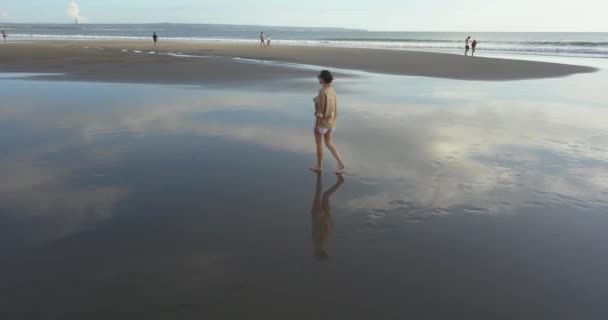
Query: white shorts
<point x="324" y="130"/>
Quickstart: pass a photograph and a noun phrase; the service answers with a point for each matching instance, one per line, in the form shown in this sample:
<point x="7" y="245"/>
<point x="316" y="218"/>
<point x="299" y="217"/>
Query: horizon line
<point x="300" y="27"/>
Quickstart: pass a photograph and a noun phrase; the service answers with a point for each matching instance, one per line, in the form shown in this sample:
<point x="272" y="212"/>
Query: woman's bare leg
<point x="319" y="142"/>
<point x="332" y="148"/>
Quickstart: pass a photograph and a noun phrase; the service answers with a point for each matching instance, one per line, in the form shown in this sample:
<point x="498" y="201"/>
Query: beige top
<point x="327" y="107"/>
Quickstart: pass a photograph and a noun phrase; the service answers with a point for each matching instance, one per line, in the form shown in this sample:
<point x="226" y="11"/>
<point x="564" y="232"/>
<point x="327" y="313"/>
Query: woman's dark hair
<point x="326" y="76"/>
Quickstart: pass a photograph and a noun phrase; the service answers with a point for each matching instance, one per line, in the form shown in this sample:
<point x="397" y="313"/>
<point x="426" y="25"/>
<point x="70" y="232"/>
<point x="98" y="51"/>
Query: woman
<point x="326" y="113"/>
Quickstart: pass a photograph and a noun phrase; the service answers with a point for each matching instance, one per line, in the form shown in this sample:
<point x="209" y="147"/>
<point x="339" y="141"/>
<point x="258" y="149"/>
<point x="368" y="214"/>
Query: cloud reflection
<point x="417" y="157"/>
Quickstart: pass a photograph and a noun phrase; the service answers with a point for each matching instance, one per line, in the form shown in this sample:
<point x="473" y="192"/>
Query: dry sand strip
<point x="88" y="63"/>
<point x="117" y="61"/>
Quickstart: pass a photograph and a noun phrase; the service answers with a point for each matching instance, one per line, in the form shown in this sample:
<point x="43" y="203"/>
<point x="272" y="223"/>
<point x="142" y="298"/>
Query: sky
<point x="386" y="15"/>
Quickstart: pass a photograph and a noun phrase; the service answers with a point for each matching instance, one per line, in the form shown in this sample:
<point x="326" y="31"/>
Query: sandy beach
<point x="139" y="61"/>
<point x="153" y="186"/>
<point x="189" y="202"/>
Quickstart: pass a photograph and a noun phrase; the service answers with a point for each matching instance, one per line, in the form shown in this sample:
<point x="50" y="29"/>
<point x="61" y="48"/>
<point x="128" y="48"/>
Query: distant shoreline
<point x="223" y="25"/>
<point x="495" y="44"/>
<point x="132" y="61"/>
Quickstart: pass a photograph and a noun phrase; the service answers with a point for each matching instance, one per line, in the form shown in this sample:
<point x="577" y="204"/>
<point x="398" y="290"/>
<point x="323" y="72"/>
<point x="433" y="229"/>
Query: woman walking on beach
<point x="262" y="39"/>
<point x="466" y="46"/>
<point x="326" y="114"/>
<point x="4" y="35"/>
<point x="155" y="38"/>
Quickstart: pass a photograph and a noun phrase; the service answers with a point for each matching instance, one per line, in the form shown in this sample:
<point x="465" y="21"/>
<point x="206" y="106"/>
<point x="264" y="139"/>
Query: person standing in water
<point x="466" y="46"/>
<point x="262" y="39"/>
<point x="155" y="38"/>
<point x="326" y="114"/>
<point x="473" y="46"/>
<point x="268" y="40"/>
<point x="4" y="35"/>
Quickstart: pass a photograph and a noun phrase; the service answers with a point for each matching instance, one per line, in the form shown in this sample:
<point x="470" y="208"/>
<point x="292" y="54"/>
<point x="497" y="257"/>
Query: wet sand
<point x="476" y="200"/>
<point x="128" y="61"/>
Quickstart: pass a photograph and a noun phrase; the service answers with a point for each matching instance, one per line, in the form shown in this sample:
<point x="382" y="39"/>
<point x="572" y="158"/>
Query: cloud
<point x="73" y="11"/>
<point x="4" y="15"/>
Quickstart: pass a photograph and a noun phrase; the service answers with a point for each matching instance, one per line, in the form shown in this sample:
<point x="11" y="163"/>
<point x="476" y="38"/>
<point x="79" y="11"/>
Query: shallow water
<point x="470" y="199"/>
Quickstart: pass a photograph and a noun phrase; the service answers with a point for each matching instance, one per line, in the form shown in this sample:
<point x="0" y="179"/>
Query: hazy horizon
<point x="379" y="15"/>
<point x="280" y="26"/>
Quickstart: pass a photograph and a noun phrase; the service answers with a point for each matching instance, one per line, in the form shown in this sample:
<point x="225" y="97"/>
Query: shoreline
<point x="139" y="61"/>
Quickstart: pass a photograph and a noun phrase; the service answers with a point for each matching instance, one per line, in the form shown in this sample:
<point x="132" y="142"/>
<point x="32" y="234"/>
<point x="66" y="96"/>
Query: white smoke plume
<point x="73" y="10"/>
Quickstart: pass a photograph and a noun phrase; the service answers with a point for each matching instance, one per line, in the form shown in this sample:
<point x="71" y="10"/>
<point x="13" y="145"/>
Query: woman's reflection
<point x="322" y="221"/>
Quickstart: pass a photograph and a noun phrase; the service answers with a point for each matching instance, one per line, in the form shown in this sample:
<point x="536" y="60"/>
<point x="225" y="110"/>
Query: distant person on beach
<point x="322" y="220"/>
<point x="466" y="46"/>
<point x="268" y="40"/>
<point x="326" y="114"/>
<point x="262" y="40"/>
<point x="473" y="46"/>
<point x="155" y="38"/>
<point x="4" y="35"/>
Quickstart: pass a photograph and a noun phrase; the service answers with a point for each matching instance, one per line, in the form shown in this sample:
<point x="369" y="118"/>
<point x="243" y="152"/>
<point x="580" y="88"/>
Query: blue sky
<point x="414" y="15"/>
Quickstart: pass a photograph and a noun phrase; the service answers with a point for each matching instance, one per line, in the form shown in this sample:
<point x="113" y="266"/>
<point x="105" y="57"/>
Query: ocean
<point x="586" y="45"/>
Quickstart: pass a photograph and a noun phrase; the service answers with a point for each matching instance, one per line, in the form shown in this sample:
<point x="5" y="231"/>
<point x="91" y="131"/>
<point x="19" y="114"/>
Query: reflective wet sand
<point x="462" y="200"/>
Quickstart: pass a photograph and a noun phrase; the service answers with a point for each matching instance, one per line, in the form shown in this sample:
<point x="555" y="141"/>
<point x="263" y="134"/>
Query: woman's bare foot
<point x="316" y="169"/>
<point x="340" y="171"/>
